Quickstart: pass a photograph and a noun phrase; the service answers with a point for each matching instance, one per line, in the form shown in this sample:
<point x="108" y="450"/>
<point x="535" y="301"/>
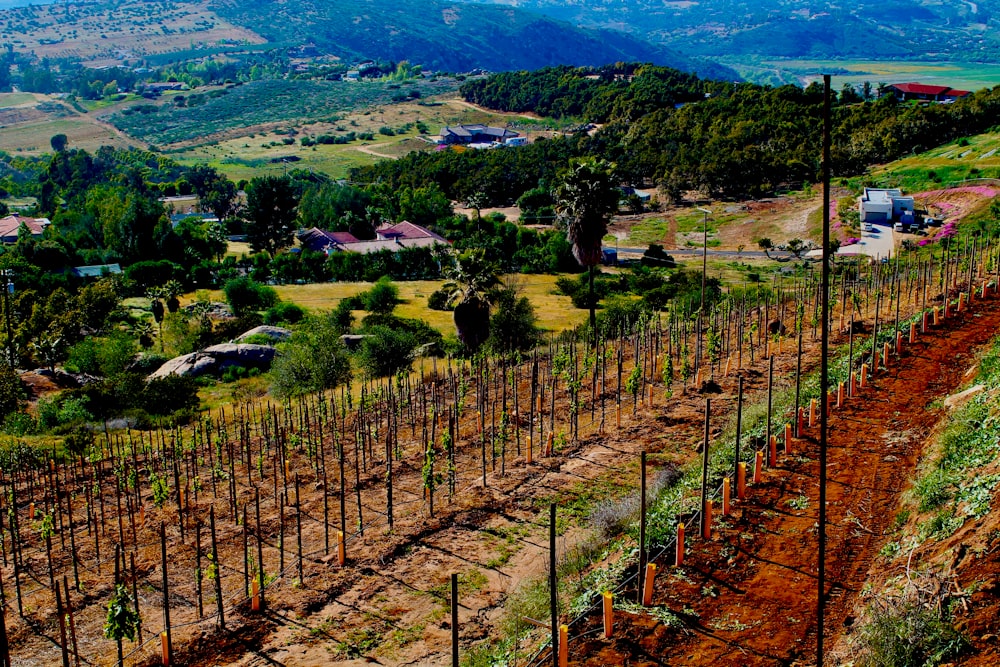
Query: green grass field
<point x="966" y="76"/>
<point x="555" y="313"/>
<point x="966" y="159"/>
<point x="15" y="99"/>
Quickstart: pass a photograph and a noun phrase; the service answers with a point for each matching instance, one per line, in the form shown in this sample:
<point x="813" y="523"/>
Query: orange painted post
<point x="528" y="452"/>
<point x="875" y="358"/>
<point x="788" y="439"/>
<point x="767" y="350"/>
<point x="937" y="315"/>
<point x="650" y="394"/>
<point x="923" y="322"/>
<point x="341" y="549"/>
<point x="548" y="445"/>
<point x="853" y="385"/>
<point x="885" y="354"/>
<point x="254" y="595"/>
<point x="913" y="333"/>
<point x="840" y="394"/>
<point x="864" y="376"/>
<point x="647" y="591"/>
<point x="563" y="645"/>
<point x="697" y="378"/>
<point x="609" y="615"/>
<point x="812" y="412"/>
<point x="741" y="480"/>
<point x="961" y="302"/>
<point x="801" y="417"/>
<point x="899" y="343"/>
<point x="772" y="452"/>
<point x="758" y="463"/>
<point x="164" y="649"/>
<point x="947" y="307"/>
<point x="729" y="361"/>
<point x="726" y="493"/>
<point x="983" y="295"/>
<point x="679" y="559"/>
<point x="618" y="416"/>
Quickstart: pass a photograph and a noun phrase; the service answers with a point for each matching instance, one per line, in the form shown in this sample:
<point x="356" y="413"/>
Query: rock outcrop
<point x="217" y="358"/>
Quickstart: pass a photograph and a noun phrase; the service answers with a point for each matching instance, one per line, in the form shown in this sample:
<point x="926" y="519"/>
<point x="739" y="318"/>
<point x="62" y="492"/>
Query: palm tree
<point x="471" y="281"/>
<point x="586" y="197"/>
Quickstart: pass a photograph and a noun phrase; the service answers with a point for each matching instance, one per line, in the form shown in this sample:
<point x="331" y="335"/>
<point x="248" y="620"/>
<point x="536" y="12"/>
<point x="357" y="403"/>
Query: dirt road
<point x="748" y="596"/>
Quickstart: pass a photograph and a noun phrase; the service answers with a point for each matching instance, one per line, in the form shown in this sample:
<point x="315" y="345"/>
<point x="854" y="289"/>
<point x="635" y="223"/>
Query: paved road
<point x="697" y="252"/>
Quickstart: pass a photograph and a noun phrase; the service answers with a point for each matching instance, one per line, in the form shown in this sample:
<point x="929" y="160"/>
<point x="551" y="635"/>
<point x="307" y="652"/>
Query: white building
<point x="883" y="205"/>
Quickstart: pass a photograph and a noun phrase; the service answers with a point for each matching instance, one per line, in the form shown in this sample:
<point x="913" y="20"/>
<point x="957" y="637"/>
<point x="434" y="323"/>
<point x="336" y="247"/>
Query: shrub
<point x="170" y="394"/>
<point x="904" y="632"/>
<point x="284" y="313"/>
<point x="11" y="392"/>
<point x="512" y="324"/>
<point x="438" y="300"/>
<point x="386" y="352"/>
<point x="314" y="359"/>
<point x="245" y="296"/>
<point x="382" y="298"/>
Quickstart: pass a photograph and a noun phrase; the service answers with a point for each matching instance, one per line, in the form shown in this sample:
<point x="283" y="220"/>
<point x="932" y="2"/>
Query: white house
<point x="883" y="204"/>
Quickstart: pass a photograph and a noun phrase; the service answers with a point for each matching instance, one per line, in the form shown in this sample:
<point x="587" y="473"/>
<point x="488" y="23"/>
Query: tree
<point x="314" y="359"/>
<point x="382" y="298"/>
<point x="797" y="247"/>
<point x="513" y="325"/>
<point x="586" y="198"/>
<point x="386" y="351"/>
<point x="270" y="214"/>
<point x="470" y="282"/>
<point x="245" y="295"/>
<point x="766" y="245"/>
<point x="58" y="142"/>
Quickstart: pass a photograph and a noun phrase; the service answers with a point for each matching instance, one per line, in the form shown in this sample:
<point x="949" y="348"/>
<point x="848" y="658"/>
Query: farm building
<point x="924" y="92"/>
<point x="476" y="134"/>
<point x="10" y="226"/>
<point x="388" y="237"/>
<point x="884" y="205"/>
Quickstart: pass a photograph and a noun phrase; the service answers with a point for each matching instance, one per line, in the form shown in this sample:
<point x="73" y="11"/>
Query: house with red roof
<point x="387" y="237"/>
<point x="925" y="92"/>
<point x="10" y="226"/>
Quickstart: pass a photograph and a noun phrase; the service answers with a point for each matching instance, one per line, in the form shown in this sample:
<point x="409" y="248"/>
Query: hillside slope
<point x="796" y="28"/>
<point x="446" y="36"/>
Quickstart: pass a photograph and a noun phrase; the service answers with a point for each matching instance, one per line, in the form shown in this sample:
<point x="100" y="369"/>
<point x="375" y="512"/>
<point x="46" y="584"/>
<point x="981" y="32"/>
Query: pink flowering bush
<point x="851" y="240"/>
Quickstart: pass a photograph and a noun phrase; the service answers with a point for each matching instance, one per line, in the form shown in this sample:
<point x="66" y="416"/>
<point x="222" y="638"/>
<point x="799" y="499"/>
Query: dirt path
<point x="369" y="151"/>
<point x="748" y="596"/>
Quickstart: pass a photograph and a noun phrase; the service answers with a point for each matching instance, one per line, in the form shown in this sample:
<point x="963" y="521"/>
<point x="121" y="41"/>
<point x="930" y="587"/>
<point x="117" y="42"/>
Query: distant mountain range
<point x="438" y="34"/>
<point x="868" y="29"/>
<point x="448" y="36"/>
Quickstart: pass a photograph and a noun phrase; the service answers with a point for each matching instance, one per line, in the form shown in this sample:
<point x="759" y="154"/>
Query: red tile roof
<point x="927" y="89"/>
<point x="10" y="225"/>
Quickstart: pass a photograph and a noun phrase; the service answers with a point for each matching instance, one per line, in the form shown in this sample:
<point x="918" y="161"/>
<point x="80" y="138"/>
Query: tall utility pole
<point x="824" y="375"/>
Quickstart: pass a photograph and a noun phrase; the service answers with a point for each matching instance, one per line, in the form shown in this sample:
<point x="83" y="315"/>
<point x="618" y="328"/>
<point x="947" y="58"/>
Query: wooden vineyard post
<point x="706" y="524"/>
<point x="454" y="620"/>
<point x="609" y="614"/>
<point x="217" y="566"/>
<point x="4" y="645"/>
<point x="166" y="591"/>
<point x="553" y="592"/>
<point x="741" y="481"/>
<point x="72" y="629"/>
<point x="563" y="653"/>
<point x="198" y="572"/>
<point x="260" y="550"/>
<point x="726" y="496"/>
<point x="642" y="517"/>
<point x="704" y="465"/>
<point x="298" y="522"/>
<point x="647" y="588"/>
<point x="758" y="464"/>
<point x="62" y="628"/>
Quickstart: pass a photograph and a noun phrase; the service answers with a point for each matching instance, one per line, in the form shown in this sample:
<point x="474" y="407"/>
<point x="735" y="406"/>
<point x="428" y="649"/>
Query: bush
<point x="11" y="392"/>
<point x="620" y="316"/>
<point x="289" y="313"/>
<point x="438" y="300"/>
<point x="245" y="296"/>
<point x="102" y="356"/>
<point x="312" y="360"/>
<point x="512" y="324"/>
<point x="907" y="633"/>
<point x="386" y="352"/>
<point x="382" y="298"/>
<point x="168" y="395"/>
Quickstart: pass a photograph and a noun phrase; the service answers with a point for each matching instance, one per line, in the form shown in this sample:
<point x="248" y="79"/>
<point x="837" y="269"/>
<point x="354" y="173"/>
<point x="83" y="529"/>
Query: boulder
<point x="955" y="401"/>
<point x="274" y="333"/>
<point x="215" y="359"/>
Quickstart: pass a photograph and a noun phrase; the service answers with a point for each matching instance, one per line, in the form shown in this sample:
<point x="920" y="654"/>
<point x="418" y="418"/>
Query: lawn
<point x="15" y="99"/>
<point x="968" y="158"/>
<point x="555" y="313"/>
<point x="966" y="76"/>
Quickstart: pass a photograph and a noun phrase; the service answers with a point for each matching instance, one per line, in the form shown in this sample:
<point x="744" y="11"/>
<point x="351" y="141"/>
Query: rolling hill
<point x="795" y="28"/>
<point x="439" y="35"/>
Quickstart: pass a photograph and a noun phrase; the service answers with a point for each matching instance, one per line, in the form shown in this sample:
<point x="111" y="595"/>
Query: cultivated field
<point x="961" y="75"/>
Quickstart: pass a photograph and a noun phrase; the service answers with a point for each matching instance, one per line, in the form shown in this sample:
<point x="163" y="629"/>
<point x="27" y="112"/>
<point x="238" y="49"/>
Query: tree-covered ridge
<point x="598" y="94"/>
